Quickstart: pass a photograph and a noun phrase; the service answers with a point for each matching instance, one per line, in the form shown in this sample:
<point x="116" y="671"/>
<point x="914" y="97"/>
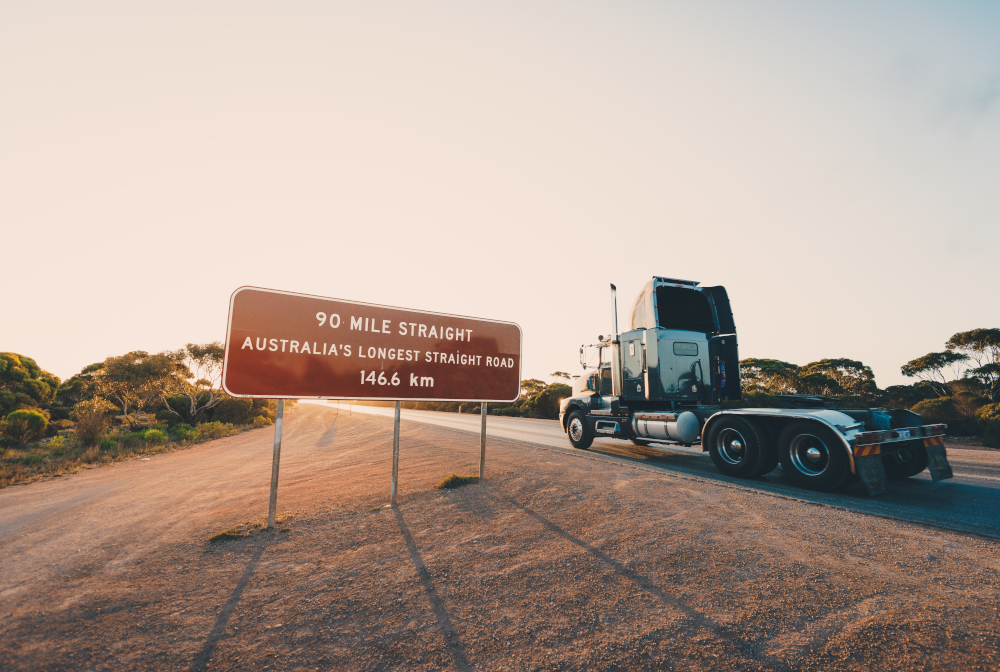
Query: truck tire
<point x="813" y="457"/>
<point x="578" y="432"/>
<point x="912" y="463"/>
<point x="737" y="447"/>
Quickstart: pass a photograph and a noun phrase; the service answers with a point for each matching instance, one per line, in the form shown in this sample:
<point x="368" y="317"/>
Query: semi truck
<point x="673" y="378"/>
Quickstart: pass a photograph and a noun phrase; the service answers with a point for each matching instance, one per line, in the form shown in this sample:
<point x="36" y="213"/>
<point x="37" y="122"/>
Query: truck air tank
<point x="681" y="427"/>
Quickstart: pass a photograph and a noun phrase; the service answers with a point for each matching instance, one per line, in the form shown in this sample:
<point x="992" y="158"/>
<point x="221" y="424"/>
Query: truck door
<point x="632" y="367"/>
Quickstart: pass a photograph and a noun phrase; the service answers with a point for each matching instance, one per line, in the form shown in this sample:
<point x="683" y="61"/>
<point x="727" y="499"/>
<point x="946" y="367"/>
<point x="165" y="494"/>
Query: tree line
<point x="137" y="389"/>
<point x="180" y="389"/>
<point x="959" y="386"/>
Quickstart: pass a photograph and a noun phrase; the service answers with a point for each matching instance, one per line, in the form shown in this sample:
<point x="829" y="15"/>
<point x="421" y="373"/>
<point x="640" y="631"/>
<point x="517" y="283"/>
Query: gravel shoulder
<point x="555" y="562"/>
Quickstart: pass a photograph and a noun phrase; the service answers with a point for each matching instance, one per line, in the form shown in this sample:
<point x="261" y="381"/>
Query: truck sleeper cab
<point x="665" y="378"/>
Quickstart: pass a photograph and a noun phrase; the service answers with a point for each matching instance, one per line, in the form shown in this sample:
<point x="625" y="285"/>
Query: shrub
<point x="91" y="419"/>
<point x="23" y="426"/>
<point x="184" y="432"/>
<point x="57" y="443"/>
<point x="987" y="413"/>
<point x="214" y="430"/>
<point x="109" y="443"/>
<point x="234" y="411"/>
<point x="261" y="421"/>
<point x="991" y="433"/>
<point x="155" y="436"/>
<point x="937" y="410"/>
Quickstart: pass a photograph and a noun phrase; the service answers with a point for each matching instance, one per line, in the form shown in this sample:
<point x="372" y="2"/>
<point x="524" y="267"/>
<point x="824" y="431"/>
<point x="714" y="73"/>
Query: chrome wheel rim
<point x="576" y="429"/>
<point x="809" y="454"/>
<point x="731" y="446"/>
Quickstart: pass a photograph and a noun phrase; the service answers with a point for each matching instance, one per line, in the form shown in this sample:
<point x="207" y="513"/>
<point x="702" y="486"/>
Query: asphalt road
<point x="969" y="502"/>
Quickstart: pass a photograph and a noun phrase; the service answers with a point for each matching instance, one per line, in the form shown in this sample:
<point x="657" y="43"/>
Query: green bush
<point x="184" y="432"/>
<point x="991" y="433"/>
<point x="23" y="426"/>
<point x="214" y="430"/>
<point x="130" y="439"/>
<point x="988" y="412"/>
<point x="155" y="436"/>
<point x="262" y="421"/>
<point x="234" y="411"/>
<point x="937" y="410"/>
<point x="109" y="443"/>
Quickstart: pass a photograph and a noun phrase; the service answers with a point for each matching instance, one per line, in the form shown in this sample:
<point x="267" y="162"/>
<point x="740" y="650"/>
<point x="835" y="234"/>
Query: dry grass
<point x="64" y="455"/>
<point x="456" y="481"/>
<point x="250" y="527"/>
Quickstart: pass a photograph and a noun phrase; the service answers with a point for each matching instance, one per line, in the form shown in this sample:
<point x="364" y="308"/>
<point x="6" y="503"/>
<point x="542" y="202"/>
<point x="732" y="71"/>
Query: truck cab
<point x="681" y="348"/>
<point x="664" y="379"/>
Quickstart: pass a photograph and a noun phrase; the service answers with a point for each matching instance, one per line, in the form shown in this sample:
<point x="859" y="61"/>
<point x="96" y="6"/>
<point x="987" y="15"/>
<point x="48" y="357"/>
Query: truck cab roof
<point x="668" y="303"/>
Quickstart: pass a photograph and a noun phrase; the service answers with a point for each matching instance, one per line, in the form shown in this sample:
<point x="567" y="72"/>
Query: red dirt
<point x="555" y="562"/>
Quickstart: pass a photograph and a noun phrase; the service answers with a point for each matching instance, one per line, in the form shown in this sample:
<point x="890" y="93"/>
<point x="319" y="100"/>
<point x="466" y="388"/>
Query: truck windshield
<point x="680" y="308"/>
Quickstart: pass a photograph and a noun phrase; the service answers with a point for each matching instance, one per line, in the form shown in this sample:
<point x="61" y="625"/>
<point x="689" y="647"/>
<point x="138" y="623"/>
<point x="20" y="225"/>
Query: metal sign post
<point x="482" y="447"/>
<point x="275" y="461"/>
<point x="395" y="457"/>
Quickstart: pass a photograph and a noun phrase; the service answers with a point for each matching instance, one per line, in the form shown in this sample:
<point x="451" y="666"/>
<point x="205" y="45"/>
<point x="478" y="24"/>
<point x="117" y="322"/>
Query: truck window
<point x="686" y="309"/>
<point x="606" y="381"/>
<point x="686" y="349"/>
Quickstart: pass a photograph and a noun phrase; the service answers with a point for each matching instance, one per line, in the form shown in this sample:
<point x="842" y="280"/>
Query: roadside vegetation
<point x="140" y="403"/>
<point x="959" y="386"/>
<point x="131" y="405"/>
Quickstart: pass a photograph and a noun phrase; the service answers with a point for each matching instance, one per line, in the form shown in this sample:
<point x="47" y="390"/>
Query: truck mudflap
<point x="869" y="467"/>
<point x="937" y="459"/>
<point x="871" y="472"/>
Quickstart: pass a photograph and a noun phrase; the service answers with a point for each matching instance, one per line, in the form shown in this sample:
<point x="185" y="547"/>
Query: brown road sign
<point x="297" y="346"/>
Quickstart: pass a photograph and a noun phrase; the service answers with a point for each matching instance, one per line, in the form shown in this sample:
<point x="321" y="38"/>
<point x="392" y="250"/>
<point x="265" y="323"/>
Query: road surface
<point x="970" y="502"/>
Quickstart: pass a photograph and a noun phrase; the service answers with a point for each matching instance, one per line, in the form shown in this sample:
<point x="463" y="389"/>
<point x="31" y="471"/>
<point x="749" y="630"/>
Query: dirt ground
<point x="555" y="562"/>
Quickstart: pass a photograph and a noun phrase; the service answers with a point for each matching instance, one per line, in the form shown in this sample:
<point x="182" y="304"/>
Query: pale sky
<point x="836" y="165"/>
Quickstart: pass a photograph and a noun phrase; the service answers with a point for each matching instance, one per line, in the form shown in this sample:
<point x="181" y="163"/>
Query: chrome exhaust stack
<point x="616" y="359"/>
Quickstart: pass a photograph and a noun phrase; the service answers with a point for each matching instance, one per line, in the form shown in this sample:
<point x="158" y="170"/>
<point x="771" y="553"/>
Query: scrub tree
<point x="194" y="381"/>
<point x="981" y="346"/>
<point x="134" y="381"/>
<point x="931" y="369"/>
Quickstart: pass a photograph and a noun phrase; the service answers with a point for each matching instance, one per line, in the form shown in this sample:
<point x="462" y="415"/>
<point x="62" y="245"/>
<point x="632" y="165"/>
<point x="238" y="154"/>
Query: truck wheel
<point x="912" y="460"/>
<point x="578" y="432"/>
<point x="737" y="447"/>
<point x="813" y="457"/>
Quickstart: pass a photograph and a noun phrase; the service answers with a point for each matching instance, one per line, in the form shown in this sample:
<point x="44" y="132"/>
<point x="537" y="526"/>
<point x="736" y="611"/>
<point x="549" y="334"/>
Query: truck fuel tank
<point x="681" y="427"/>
